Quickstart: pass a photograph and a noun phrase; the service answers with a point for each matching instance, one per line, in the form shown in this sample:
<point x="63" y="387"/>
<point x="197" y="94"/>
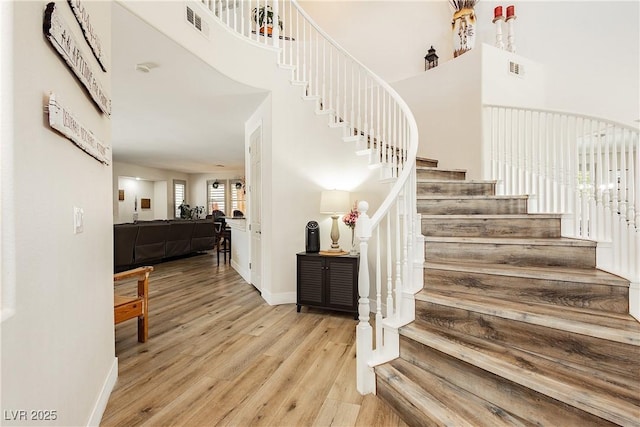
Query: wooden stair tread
<point x="444" y="403"/>
<point x="443" y="197"/>
<point x="454" y="181"/>
<point x="426" y="159"/>
<point x="552" y="241"/>
<point x="551" y="378"/>
<point x="492" y="216"/>
<point x="609" y="326"/>
<point x="431" y="168"/>
<point x="565" y="274"/>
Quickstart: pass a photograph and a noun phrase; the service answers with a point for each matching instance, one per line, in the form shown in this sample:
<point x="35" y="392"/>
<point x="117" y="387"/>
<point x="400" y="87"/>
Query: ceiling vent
<point x="195" y="20"/>
<point x="516" y="69"/>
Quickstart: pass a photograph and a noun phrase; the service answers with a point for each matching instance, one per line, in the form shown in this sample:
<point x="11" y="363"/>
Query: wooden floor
<point x="217" y="354"/>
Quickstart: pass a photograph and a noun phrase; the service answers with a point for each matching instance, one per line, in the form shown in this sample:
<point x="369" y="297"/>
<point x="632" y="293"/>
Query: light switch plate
<point x="78" y="220"/>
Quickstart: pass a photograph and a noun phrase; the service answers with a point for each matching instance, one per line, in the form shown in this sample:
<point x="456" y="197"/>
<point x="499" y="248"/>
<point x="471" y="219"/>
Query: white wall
<point x="134" y="191"/>
<point x="162" y="204"/>
<point x="591" y="49"/>
<point x="301" y="155"/>
<point x="58" y="347"/>
<point x="446" y="102"/>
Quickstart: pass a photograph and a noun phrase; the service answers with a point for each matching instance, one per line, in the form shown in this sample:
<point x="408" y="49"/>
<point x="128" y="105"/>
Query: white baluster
<point x="379" y="343"/>
<point x="398" y="260"/>
<point x="389" y="245"/>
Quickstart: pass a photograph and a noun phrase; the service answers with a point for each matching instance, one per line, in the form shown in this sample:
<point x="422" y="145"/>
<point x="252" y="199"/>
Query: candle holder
<point x="511" y="17"/>
<point x="498" y="20"/>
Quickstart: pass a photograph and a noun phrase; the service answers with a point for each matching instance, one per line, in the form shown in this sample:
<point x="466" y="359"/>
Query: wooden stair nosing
<point x="427" y="160"/>
<point x="465" y="409"/>
<point x="537" y="314"/>
<point x="584" y="399"/>
<point x="565" y="274"/>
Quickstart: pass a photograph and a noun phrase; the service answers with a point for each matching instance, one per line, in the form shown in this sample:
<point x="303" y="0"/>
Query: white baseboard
<point x="634" y="299"/>
<point x="246" y="275"/>
<point x="279" y="298"/>
<point x="103" y="398"/>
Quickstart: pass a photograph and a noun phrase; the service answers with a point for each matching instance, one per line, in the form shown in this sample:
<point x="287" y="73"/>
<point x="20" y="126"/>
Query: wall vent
<point x="516" y="69"/>
<point x="196" y="21"/>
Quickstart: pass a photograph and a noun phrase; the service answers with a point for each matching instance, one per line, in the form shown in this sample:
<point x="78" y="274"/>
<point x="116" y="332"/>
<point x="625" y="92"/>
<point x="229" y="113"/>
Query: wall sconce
<point x="215" y="184"/>
<point x="431" y="60"/>
<point x="334" y="203"/>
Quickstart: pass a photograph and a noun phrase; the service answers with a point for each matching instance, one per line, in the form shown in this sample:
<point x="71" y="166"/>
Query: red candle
<point x="497" y="12"/>
<point x="511" y="10"/>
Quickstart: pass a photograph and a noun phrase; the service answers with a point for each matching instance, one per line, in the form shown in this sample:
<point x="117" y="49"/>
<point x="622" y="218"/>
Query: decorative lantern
<point x="431" y="60"/>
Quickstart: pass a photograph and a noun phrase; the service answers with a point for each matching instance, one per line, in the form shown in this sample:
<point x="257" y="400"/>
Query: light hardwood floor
<point x="217" y="354"/>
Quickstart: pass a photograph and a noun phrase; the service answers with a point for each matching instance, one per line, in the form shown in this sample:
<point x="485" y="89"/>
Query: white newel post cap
<point x="363" y="223"/>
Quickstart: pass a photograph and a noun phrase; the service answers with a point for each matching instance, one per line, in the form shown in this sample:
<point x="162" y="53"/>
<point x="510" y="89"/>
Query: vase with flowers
<point x="350" y="221"/>
<point x="463" y="25"/>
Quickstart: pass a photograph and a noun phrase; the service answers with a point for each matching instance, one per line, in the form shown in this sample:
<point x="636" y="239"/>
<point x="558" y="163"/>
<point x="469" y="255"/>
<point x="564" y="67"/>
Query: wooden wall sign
<point x="62" y="120"/>
<point x="83" y="18"/>
<point x="62" y="40"/>
<point x="145" y="203"/>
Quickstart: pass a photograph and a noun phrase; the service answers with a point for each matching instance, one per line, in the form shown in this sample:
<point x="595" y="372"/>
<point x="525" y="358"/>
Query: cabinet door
<point x="341" y="282"/>
<point x="310" y="280"/>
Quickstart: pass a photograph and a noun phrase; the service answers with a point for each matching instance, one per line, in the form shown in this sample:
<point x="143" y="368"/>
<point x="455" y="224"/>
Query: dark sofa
<point x="146" y="242"/>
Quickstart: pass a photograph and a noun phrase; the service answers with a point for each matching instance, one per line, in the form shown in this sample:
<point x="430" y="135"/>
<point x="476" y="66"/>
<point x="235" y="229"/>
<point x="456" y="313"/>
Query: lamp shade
<point x="334" y="202"/>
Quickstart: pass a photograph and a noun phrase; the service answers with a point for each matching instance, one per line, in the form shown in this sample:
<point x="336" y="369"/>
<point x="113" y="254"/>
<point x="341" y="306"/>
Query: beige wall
<point x="58" y="346"/>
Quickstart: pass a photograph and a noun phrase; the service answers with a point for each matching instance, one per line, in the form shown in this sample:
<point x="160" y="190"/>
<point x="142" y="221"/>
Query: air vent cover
<point x="516" y="69"/>
<point x="196" y="21"/>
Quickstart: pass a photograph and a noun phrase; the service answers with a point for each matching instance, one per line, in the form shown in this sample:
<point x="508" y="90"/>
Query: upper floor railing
<point x="381" y="125"/>
<point x="582" y="166"/>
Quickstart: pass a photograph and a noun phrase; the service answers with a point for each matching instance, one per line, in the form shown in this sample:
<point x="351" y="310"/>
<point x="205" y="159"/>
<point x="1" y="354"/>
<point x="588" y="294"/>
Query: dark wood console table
<point x="329" y="282"/>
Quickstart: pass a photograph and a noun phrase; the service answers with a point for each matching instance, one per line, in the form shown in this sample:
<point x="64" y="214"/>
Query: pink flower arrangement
<point x="351" y="218"/>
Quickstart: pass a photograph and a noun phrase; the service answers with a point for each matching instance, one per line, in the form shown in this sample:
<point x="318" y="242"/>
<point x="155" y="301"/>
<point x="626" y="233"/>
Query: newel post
<point x="365" y="378"/>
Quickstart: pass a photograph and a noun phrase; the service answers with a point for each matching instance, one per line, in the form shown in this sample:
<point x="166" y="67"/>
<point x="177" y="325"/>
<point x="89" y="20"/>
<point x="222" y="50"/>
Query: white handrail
<point x="583" y="166"/>
<point x="381" y="125"/>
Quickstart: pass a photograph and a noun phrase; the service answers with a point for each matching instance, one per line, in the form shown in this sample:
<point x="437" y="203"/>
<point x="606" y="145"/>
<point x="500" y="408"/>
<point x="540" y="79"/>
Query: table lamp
<point x="334" y="203"/>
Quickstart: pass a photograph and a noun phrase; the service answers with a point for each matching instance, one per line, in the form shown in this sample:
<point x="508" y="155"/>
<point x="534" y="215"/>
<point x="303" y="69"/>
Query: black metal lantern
<point x="431" y="60"/>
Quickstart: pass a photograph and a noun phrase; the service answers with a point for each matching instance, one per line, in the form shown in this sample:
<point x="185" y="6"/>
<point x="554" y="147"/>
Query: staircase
<point x="514" y="325"/>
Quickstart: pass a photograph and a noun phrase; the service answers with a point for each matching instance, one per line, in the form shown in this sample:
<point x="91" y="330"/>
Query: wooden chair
<point x="128" y="307"/>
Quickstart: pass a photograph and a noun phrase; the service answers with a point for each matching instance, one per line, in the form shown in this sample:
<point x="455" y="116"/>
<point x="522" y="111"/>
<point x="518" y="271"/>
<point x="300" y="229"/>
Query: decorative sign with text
<point x="63" y="41"/>
<point x="82" y="15"/>
<point x="63" y="120"/>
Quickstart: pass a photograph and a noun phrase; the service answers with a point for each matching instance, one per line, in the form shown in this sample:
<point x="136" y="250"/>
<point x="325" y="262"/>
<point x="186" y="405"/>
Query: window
<point x="238" y="202"/>
<point x="216" y="196"/>
<point x="179" y="195"/>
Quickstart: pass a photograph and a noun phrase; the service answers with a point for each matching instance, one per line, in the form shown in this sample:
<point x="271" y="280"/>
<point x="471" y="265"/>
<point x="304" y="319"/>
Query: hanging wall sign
<point x="63" y="41"/>
<point x="63" y="120"/>
<point x="82" y="15"/>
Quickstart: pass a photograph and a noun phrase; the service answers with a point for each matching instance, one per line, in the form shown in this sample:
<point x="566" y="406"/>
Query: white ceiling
<point x="183" y="115"/>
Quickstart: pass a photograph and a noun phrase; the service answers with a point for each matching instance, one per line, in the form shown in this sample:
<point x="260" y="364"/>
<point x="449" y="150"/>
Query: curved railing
<point x="585" y="167"/>
<point x="380" y="124"/>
